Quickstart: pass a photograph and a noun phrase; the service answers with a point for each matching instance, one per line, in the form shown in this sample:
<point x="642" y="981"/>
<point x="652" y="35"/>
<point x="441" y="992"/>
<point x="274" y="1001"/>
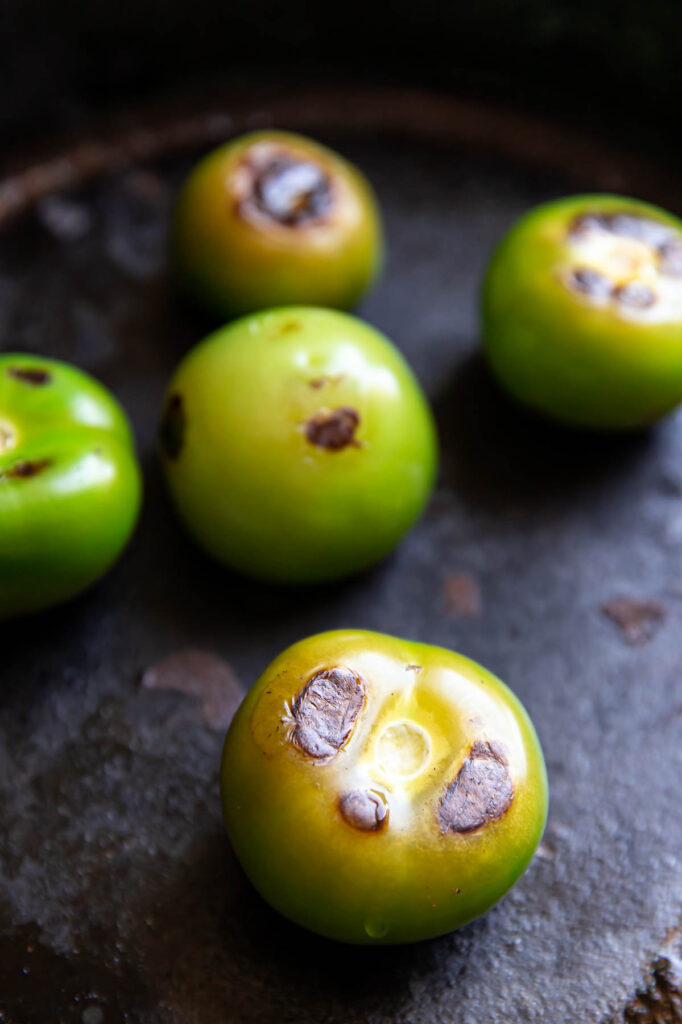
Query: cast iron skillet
<point x="119" y="897"/>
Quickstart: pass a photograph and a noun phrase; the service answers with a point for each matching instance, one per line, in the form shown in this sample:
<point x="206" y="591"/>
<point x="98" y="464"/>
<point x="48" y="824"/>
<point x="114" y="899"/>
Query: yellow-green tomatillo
<point x="297" y="445"/>
<point x="582" y="311"/>
<point x="377" y="790"/>
<point x="273" y="218"/>
<point x="69" y="482"/>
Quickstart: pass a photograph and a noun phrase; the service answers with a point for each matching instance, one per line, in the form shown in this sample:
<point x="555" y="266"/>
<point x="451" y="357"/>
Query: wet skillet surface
<point x="119" y="896"/>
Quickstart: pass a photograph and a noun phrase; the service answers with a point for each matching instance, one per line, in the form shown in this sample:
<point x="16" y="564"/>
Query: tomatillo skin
<point x="272" y="218"/>
<point x="297" y="444"/>
<point x="377" y="790"/>
<point x="69" y="482"/>
<point x="582" y="311"/>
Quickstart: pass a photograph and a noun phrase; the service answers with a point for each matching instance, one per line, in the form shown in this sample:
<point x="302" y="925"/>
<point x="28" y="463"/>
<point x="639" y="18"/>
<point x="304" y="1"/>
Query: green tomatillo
<point x="377" y="790"/>
<point x="582" y="311"/>
<point x="69" y="482"/>
<point x="297" y="444"/>
<point x="273" y="218"/>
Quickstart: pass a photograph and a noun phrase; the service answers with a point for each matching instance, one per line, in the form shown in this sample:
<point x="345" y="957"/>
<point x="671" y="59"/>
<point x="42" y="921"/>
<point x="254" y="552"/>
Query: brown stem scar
<point x="635" y="294"/>
<point x="364" y="810"/>
<point x="626" y="225"/>
<point x="172" y="427"/>
<point x="333" y="429"/>
<point x="292" y="191"/>
<point x="590" y="282"/>
<point x="414" y="668"/>
<point x="278" y="183"/>
<point x="325" y="711"/>
<point x="481" y="793"/>
<point x="27" y="469"/>
<point x="32" y="375"/>
<point x="671" y="258"/>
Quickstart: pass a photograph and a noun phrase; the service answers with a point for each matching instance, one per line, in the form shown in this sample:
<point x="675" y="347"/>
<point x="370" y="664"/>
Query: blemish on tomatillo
<point x="333" y="429"/>
<point x="35" y="375"/>
<point x="25" y="470"/>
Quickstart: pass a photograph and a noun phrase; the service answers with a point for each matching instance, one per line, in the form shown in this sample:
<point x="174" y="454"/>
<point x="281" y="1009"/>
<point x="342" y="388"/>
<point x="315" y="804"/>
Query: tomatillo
<point x="273" y="218"/>
<point x="69" y="482"/>
<point x="377" y="790"/>
<point x="297" y="444"/>
<point x="582" y="311"/>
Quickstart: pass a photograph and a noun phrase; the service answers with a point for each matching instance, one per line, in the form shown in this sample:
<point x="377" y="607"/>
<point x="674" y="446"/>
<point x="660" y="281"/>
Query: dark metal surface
<point x="119" y="897"/>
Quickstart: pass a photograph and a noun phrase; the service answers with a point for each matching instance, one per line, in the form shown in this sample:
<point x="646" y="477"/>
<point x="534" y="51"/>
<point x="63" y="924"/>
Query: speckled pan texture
<point x="552" y="558"/>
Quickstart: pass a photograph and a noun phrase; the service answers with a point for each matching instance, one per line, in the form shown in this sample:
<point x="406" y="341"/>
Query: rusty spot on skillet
<point x="481" y="793"/>
<point x="659" y="1001"/>
<point x="202" y="675"/>
<point x="638" y="620"/>
<point x="325" y="712"/>
<point x="364" y="810"/>
<point x="462" y="595"/>
<point x="30" y="375"/>
<point x="172" y="426"/>
<point x="333" y="430"/>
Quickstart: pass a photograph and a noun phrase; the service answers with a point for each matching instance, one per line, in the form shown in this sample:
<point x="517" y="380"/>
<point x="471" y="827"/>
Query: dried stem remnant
<point x="481" y="793"/>
<point x="325" y="711"/>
